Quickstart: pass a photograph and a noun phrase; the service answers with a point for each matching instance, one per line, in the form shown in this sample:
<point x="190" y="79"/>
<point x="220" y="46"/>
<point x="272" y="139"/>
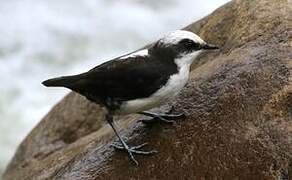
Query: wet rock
<point x="238" y="102"/>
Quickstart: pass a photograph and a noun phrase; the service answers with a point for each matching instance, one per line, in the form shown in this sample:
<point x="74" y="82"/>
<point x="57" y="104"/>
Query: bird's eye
<point x="188" y="44"/>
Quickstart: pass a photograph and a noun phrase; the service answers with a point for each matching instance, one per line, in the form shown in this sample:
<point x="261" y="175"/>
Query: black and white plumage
<point x="138" y="81"/>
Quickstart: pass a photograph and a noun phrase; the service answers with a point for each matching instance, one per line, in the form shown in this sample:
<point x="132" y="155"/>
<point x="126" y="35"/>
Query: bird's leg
<point x="130" y="150"/>
<point x="167" y="118"/>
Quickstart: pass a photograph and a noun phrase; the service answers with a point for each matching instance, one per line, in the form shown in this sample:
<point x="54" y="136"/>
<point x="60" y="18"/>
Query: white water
<point x="46" y="38"/>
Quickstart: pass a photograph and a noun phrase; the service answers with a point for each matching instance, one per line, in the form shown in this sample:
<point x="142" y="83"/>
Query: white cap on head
<point x="178" y="35"/>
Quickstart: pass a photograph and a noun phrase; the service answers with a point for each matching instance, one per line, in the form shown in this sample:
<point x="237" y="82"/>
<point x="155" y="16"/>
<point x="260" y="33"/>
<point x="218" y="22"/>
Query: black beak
<point x="210" y="46"/>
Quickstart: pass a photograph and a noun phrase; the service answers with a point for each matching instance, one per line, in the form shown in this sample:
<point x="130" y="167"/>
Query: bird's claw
<point x="173" y="116"/>
<point x="156" y="119"/>
<point x="134" y="150"/>
<point x="166" y="118"/>
<point x="121" y="147"/>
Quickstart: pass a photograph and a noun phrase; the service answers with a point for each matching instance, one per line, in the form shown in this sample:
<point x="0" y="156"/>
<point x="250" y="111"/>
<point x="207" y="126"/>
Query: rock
<point x="238" y="101"/>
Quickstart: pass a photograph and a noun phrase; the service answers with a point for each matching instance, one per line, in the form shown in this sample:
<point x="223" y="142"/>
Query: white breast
<point x="173" y="86"/>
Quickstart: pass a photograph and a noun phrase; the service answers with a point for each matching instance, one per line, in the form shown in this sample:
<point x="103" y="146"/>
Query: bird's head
<point x="183" y="43"/>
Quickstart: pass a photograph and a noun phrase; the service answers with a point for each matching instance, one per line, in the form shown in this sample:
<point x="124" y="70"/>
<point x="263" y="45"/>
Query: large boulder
<point x="238" y="102"/>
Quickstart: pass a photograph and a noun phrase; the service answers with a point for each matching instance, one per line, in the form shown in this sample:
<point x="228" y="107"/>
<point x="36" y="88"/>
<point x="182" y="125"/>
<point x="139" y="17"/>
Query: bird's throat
<point x="187" y="59"/>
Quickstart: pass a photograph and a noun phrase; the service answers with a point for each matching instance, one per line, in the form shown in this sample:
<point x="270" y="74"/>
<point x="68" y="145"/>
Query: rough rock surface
<point x="238" y="101"/>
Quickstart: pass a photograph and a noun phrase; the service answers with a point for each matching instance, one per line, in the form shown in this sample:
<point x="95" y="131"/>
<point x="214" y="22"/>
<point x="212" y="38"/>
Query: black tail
<point x="65" y="81"/>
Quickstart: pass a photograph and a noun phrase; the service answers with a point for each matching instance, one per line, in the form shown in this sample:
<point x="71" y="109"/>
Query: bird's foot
<point x="160" y="117"/>
<point x="156" y="120"/>
<point x="134" y="150"/>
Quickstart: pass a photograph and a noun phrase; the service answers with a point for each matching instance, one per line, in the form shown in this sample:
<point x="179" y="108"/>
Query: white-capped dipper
<point x="139" y="81"/>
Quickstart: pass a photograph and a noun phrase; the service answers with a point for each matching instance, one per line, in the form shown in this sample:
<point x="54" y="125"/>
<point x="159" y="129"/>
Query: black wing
<point x="121" y="79"/>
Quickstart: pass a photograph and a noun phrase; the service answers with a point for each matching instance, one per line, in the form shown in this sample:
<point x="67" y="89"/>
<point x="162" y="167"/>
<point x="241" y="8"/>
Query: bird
<point x="138" y="81"/>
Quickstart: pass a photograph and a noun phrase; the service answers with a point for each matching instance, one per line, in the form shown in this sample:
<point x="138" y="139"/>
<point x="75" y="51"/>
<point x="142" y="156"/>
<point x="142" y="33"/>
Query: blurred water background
<point x="46" y="38"/>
